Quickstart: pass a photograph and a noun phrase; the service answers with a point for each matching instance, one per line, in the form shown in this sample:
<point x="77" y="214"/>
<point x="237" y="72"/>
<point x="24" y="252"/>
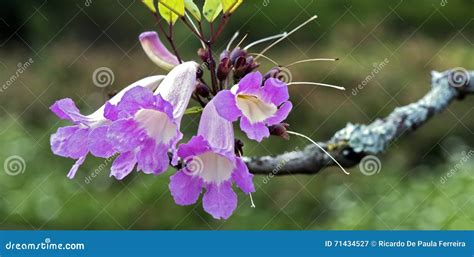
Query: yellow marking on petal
<point x="254" y="109"/>
<point x="215" y="168"/>
<point x="157" y="125"/>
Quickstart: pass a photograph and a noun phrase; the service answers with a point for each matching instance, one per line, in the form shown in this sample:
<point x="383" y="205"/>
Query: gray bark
<point x="350" y="144"/>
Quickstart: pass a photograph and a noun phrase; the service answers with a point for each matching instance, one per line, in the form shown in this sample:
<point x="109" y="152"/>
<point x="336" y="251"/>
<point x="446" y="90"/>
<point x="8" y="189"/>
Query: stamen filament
<point x="317" y="84"/>
<point x="288" y="34"/>
<point x="236" y="34"/>
<point x="252" y="204"/>
<point x="321" y="148"/>
<point x="265" y="40"/>
<point x="196" y="30"/>
<point x="313" y="60"/>
<point x="242" y="40"/>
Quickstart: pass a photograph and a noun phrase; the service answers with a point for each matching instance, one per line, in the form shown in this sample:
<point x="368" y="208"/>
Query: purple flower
<point x="146" y="124"/>
<point x="257" y="106"/>
<point x="88" y="134"/>
<point x="210" y="163"/>
<point x="156" y="51"/>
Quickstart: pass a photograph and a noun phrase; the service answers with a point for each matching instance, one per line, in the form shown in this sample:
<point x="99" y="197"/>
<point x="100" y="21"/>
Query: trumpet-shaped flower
<point x="210" y="163"/>
<point x="146" y="124"/>
<point x="156" y="51"/>
<point x="257" y="106"/>
<point x="88" y="134"/>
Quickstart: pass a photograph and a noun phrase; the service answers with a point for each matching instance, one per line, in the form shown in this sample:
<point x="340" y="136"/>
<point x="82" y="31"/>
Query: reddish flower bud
<point x="280" y="130"/>
<point x="224" y="69"/>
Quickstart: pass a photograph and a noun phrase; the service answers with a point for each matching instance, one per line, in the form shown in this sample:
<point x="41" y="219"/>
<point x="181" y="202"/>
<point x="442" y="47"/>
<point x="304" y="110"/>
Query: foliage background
<point x="68" y="40"/>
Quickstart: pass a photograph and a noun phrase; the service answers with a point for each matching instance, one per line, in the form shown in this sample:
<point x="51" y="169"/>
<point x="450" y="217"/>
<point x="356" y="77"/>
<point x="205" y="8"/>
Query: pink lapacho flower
<point x="210" y="163"/>
<point x="88" y="134"/>
<point x="146" y="124"/>
<point x="257" y="103"/>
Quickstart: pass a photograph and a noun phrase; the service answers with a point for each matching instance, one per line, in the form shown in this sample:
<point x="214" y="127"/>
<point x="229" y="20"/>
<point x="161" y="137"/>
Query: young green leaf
<point x="193" y="110"/>
<point x="171" y="10"/>
<point x="212" y="9"/>
<point x="150" y="4"/>
<point x="193" y="9"/>
<point x="229" y="6"/>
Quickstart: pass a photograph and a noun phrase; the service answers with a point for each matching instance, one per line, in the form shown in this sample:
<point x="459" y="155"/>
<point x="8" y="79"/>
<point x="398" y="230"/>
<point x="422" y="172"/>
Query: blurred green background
<point x="68" y="40"/>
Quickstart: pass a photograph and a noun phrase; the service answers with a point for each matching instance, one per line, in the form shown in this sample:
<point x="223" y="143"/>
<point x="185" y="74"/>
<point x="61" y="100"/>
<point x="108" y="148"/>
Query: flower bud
<point x="202" y="90"/>
<point x="280" y="130"/>
<point x="224" y="69"/>
<point x="236" y="53"/>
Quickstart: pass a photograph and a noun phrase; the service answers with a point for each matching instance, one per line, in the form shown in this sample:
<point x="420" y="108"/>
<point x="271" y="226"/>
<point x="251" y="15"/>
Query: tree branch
<point x="350" y="144"/>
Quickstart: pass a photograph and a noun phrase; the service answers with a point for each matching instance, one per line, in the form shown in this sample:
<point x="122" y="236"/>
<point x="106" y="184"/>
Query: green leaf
<point x="150" y="4"/>
<point x="229" y="6"/>
<point x="193" y="110"/>
<point x="212" y="9"/>
<point x="171" y="10"/>
<point x="193" y="9"/>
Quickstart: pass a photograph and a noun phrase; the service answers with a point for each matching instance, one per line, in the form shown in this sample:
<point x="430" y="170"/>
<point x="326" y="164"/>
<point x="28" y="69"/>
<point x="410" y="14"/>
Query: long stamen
<point x="288" y="34"/>
<point x="252" y="204"/>
<point x="316" y="84"/>
<point x="266" y="57"/>
<point x="313" y="60"/>
<point x="320" y="147"/>
<point x="265" y="40"/>
<point x="195" y="28"/>
<point x="242" y="40"/>
<point x="232" y="40"/>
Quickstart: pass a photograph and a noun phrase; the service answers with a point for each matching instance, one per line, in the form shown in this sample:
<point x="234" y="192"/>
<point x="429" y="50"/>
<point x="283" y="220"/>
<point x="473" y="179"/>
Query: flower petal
<point x="77" y="143"/>
<point x="219" y="200"/>
<point x="125" y="134"/>
<point x="281" y="114"/>
<point x="134" y="100"/>
<point x="99" y="146"/>
<point x="66" y="109"/>
<point x="123" y="165"/>
<point x="250" y="83"/>
<point x="226" y="106"/>
<point x="153" y="158"/>
<point x="178" y="87"/>
<point x="75" y="167"/>
<point x="156" y="51"/>
<point x="218" y="131"/>
<point x="242" y="177"/>
<point x="256" y="131"/>
<point x="185" y="189"/>
<point x="275" y="91"/>
<point x="195" y="146"/>
<point x="60" y="140"/>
